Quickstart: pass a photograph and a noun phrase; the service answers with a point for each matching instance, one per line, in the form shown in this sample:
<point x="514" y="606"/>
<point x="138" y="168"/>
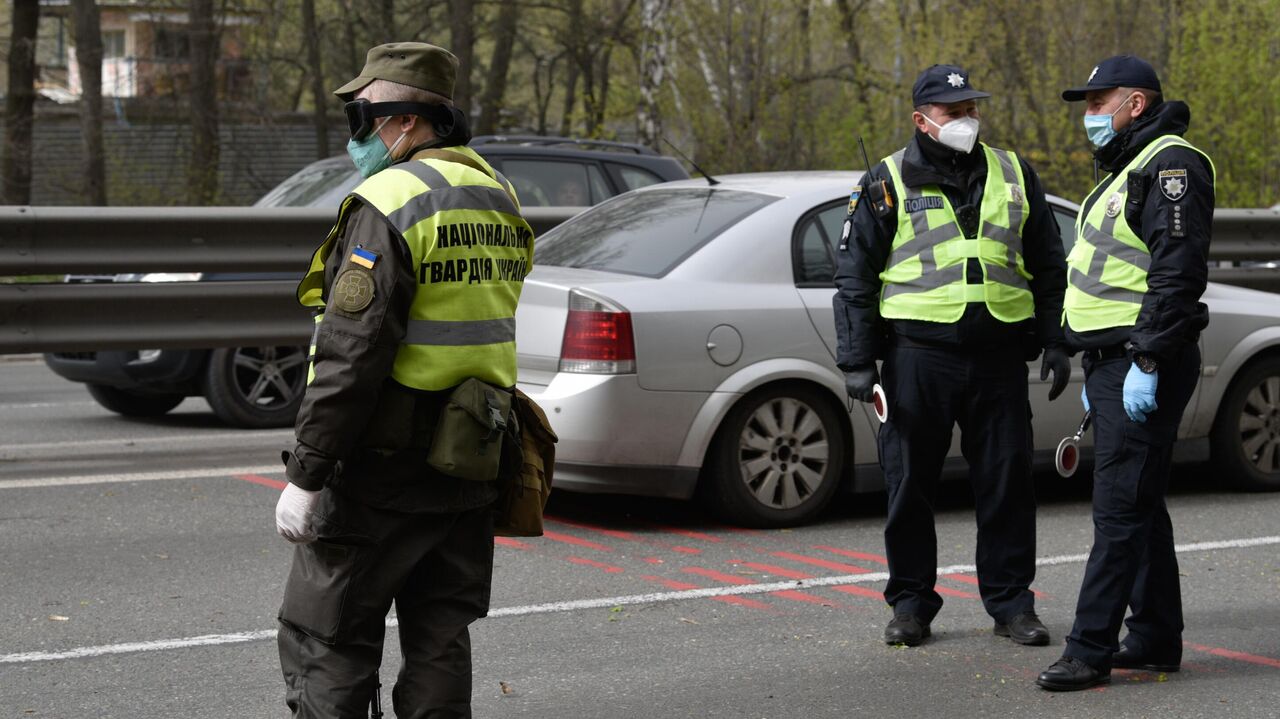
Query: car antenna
<point x="710" y="180"/>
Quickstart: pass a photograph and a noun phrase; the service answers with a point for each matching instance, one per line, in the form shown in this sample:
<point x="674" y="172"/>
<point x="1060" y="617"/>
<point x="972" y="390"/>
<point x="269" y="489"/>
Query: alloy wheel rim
<point x="269" y="378"/>
<point x="1260" y="426"/>
<point x="783" y="453"/>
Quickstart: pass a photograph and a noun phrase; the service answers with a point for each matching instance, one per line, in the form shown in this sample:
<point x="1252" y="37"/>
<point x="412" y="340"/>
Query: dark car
<point x="262" y="386"/>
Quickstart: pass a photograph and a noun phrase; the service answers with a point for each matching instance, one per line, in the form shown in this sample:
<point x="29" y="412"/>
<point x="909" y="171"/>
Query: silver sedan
<point x="681" y="339"/>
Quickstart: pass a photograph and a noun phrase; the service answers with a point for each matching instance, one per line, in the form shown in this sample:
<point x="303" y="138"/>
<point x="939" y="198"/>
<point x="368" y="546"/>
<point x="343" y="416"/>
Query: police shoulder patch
<point x="1173" y="184"/>
<point x="354" y="289"/>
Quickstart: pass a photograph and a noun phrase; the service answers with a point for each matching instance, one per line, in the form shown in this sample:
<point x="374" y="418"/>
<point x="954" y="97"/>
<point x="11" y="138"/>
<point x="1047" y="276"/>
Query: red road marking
<point x="593" y="563"/>
<point x="1232" y="654"/>
<point x="735" y="579"/>
<point x="824" y="563"/>
<point x="673" y="584"/>
<point x="773" y="569"/>
<point x="688" y="533"/>
<point x="860" y="591"/>
<point x="686" y="550"/>
<point x="575" y="541"/>
<point x="946" y="592"/>
<point x="652" y="560"/>
<point x="509" y="542"/>
<point x="865" y="556"/>
<point x="272" y="483"/>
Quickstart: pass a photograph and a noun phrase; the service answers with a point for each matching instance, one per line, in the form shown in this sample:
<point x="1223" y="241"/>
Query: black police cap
<point x="943" y="84"/>
<point x="1118" y="71"/>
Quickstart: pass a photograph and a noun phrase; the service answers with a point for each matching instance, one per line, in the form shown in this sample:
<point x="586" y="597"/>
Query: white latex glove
<point x="293" y="514"/>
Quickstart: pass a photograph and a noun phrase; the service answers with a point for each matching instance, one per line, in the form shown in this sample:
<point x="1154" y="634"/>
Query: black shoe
<point x="1025" y="628"/>
<point x="1069" y="674"/>
<point x="1129" y="658"/>
<point x="906" y="629"/>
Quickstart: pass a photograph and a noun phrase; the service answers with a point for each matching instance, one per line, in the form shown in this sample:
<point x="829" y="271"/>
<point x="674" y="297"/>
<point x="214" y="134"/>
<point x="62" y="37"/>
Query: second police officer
<point x="1137" y="270"/>
<point x="951" y="271"/>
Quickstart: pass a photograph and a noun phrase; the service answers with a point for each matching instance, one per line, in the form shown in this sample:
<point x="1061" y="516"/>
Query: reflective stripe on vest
<point x="1107" y="266"/>
<point x="925" y="277"/>
<point x="471" y="250"/>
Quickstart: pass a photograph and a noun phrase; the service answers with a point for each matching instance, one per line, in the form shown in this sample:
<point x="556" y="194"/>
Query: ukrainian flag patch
<point x="363" y="257"/>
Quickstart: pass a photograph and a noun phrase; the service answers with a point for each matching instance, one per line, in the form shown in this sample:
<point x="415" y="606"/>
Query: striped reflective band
<point x="459" y="333"/>
<point x="466" y="197"/>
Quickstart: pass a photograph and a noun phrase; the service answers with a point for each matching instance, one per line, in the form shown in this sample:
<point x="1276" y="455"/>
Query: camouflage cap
<point x="416" y="64"/>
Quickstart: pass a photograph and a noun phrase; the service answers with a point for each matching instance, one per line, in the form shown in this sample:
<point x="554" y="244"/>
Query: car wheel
<point x="1246" y="435"/>
<point x="776" y="459"/>
<point x="256" y="387"/>
<point x="133" y="404"/>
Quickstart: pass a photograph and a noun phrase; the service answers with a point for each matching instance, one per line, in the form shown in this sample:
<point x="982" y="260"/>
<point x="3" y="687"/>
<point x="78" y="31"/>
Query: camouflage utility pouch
<point x="467" y="442"/>
<point x="532" y="449"/>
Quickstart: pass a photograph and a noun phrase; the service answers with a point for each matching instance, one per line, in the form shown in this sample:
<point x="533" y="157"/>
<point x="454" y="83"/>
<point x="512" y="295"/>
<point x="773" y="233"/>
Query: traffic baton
<point x="1067" y="460"/>
<point x="880" y="403"/>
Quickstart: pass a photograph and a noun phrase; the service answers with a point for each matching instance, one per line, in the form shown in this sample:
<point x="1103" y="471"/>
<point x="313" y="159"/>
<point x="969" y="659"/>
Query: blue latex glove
<point x="1139" y="393"/>
<point x="1084" y="397"/>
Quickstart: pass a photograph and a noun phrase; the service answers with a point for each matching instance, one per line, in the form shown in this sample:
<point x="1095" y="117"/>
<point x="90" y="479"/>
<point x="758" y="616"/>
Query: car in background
<point x="681" y="339"/>
<point x="545" y="172"/>
<point x="255" y="387"/>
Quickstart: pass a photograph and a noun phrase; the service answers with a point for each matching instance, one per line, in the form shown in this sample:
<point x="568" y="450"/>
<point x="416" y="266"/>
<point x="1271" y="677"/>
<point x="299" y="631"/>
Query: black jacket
<point x="1172" y="314"/>
<point x="863" y="335"/>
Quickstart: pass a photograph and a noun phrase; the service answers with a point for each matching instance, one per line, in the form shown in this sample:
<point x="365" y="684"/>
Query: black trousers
<point x="435" y="568"/>
<point x="930" y="391"/>
<point x="1132" y="562"/>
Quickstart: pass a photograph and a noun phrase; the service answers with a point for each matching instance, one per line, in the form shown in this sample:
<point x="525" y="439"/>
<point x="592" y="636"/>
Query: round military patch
<point x="1114" y="204"/>
<point x="354" y="289"/>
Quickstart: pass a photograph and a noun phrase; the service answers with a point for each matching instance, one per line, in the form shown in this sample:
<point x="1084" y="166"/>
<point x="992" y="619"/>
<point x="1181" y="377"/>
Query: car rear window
<point x="320" y="185"/>
<point x="646" y="233"/>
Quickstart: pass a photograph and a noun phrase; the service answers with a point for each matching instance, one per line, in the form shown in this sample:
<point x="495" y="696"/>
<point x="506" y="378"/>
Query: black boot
<point x="906" y="629"/>
<point x="1131" y="658"/>
<point x="1025" y="628"/>
<point x="1069" y="674"/>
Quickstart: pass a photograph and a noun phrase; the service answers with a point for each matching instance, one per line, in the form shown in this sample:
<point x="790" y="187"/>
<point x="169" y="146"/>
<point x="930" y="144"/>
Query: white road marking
<point x="601" y="603"/>
<point x="42" y="405"/>
<point x="203" y="438"/>
<point x="139" y="476"/>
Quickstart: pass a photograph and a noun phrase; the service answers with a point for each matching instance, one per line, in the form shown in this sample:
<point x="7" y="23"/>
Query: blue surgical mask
<point x="371" y="155"/>
<point x="1099" y="127"/>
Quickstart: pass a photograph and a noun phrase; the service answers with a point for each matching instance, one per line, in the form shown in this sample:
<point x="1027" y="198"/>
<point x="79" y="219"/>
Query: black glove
<point x="1057" y="360"/>
<point x="859" y="382"/>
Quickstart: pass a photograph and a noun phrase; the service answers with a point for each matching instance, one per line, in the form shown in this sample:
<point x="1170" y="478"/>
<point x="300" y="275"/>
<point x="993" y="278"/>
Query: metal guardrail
<point x="107" y="316"/>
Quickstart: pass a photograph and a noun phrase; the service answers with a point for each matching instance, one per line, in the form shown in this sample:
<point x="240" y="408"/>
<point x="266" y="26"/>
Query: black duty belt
<point x="1107" y="353"/>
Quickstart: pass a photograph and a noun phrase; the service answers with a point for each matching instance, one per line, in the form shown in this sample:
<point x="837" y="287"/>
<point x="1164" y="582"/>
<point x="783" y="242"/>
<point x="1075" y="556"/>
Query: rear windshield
<point x="646" y="233"/>
<point x="319" y="185"/>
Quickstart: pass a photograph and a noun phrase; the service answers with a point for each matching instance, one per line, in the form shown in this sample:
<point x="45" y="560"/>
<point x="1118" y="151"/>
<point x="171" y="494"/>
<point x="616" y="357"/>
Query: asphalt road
<point x="140" y="576"/>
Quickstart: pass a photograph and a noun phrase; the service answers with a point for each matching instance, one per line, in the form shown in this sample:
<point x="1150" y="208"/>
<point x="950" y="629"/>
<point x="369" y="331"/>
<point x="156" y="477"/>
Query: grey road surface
<point x="140" y="576"/>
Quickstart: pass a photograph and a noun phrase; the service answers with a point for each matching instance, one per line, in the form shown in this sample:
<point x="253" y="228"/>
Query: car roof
<point x="779" y="184"/>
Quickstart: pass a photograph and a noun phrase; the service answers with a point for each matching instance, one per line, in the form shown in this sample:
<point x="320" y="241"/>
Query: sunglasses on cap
<point x="362" y="114"/>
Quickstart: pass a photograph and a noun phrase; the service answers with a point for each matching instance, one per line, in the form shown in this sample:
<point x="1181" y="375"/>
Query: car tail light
<point x="597" y="337"/>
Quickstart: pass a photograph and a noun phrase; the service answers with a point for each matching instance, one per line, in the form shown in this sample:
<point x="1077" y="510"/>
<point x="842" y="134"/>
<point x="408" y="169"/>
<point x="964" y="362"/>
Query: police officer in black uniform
<point x="969" y="368"/>
<point x="1147" y="224"/>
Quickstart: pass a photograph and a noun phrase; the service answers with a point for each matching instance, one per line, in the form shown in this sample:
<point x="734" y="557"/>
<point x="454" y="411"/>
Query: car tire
<point x="256" y="387"/>
<point x="1245" y="439"/>
<point x="133" y="404"/>
<point x="752" y="476"/>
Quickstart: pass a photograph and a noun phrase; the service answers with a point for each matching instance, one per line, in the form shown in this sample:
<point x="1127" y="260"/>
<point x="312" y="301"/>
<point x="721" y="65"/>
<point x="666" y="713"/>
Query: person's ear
<point x="407" y="123"/>
<point x="921" y="124"/>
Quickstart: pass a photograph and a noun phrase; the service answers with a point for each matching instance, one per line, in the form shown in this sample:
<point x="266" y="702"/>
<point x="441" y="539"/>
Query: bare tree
<point x="387" y="21"/>
<point x="20" y="102"/>
<point x="87" y="33"/>
<point x="653" y="69"/>
<point x="315" y="68"/>
<point x="495" y="88"/>
<point x="202" y="172"/>
<point x="462" y="40"/>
